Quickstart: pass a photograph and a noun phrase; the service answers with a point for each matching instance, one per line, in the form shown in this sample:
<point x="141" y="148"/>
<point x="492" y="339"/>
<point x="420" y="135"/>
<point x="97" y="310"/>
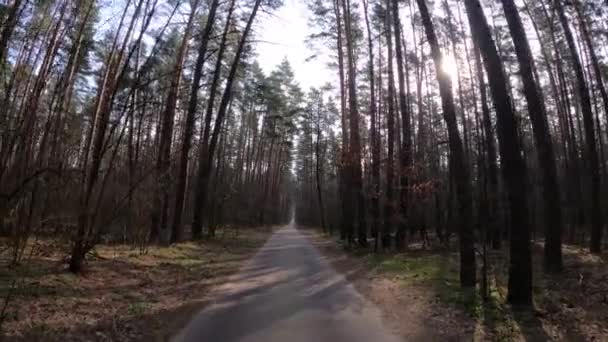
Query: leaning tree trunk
<point x="513" y="164"/>
<point x="492" y="167"/>
<point x="203" y="174"/>
<point x="182" y="176"/>
<point x="205" y="168"/>
<point x="590" y="144"/>
<point x="596" y="232"/>
<point x="9" y="26"/>
<point x="94" y="144"/>
<point x="458" y="165"/>
<point x="163" y="162"/>
<point x="542" y="137"/>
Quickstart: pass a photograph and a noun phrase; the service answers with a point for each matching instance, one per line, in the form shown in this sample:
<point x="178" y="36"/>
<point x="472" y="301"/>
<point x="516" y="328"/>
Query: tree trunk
<point x="590" y="144"/>
<point x="596" y="216"/>
<point x="513" y="164"/>
<point x="458" y="165"/>
<point x="354" y="156"/>
<point x="405" y="155"/>
<point x="182" y="177"/>
<point x="205" y="168"/>
<point x="375" y="145"/>
<point x="163" y="162"/>
<point x="318" y="170"/>
<point x="204" y="157"/>
<point x="542" y="137"/>
<point x="389" y="206"/>
<point x="344" y="171"/>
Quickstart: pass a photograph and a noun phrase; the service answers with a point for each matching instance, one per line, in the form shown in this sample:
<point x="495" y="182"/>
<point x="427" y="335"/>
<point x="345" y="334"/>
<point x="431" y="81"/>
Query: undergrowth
<point x="438" y="272"/>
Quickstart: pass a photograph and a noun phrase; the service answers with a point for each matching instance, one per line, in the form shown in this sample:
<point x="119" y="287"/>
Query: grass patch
<point x="439" y="273"/>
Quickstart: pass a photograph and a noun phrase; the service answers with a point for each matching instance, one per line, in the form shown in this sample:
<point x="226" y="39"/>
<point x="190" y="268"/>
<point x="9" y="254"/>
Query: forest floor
<point x="123" y="295"/>
<point x="418" y="290"/>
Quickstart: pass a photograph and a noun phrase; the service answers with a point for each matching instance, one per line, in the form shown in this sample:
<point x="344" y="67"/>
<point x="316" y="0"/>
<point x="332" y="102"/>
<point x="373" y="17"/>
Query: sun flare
<point x="448" y="66"/>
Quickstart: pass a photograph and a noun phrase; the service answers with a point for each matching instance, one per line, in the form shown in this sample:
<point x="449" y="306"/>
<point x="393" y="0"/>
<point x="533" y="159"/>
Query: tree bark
<point x="405" y="155"/>
<point x="389" y="206"/>
<point x="542" y="137"/>
<point x="354" y="156"/>
<point x="590" y="144"/>
<point x="513" y="164"/>
<point x="182" y="176"/>
<point x="163" y="162"/>
<point x="375" y="145"/>
<point x="205" y="168"/>
<point x="458" y="165"/>
<point x="344" y="171"/>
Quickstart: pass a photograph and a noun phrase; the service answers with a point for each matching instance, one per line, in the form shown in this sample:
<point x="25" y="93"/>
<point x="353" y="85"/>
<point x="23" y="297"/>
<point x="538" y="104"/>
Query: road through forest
<point x="287" y="291"/>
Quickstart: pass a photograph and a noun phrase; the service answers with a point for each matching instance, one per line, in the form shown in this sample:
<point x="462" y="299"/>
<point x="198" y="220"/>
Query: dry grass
<point x="422" y="286"/>
<point x="570" y="306"/>
<point x="123" y="295"/>
<point x="409" y="288"/>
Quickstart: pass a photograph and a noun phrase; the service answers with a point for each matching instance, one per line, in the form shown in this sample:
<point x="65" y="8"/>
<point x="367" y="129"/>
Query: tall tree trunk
<point x="354" y="156"/>
<point x="318" y="172"/>
<point x="405" y="156"/>
<point x="492" y="172"/>
<point x="115" y="73"/>
<point x="590" y="144"/>
<point x="458" y="165"/>
<point x="463" y="112"/>
<point x="201" y="189"/>
<point x="596" y="235"/>
<point x="513" y="164"/>
<point x="205" y="167"/>
<point x="542" y="137"/>
<point x="344" y="171"/>
<point x="389" y="206"/>
<point x="163" y="162"/>
<point x="182" y="177"/>
<point x="375" y="145"/>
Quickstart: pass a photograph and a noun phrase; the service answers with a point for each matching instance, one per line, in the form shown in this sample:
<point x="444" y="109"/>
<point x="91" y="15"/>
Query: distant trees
<point x="98" y="125"/>
<point x="315" y="172"/>
<point x="162" y="124"/>
<point x="549" y="129"/>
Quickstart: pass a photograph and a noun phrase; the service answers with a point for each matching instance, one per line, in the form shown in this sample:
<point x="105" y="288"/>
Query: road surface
<point x="287" y="292"/>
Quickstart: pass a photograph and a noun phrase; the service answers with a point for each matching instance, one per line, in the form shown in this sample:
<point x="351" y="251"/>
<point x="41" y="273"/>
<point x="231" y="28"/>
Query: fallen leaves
<point x="124" y="295"/>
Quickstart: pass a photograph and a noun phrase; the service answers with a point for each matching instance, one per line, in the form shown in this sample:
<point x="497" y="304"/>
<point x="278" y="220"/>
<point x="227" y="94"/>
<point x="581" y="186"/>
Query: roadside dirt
<point x="409" y="308"/>
<point x="419" y="295"/>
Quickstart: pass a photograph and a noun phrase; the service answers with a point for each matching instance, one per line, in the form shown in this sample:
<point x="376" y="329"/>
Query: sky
<point x="282" y="35"/>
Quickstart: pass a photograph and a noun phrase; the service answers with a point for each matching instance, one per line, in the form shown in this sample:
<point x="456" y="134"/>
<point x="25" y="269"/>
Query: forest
<point x="476" y="127"/>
